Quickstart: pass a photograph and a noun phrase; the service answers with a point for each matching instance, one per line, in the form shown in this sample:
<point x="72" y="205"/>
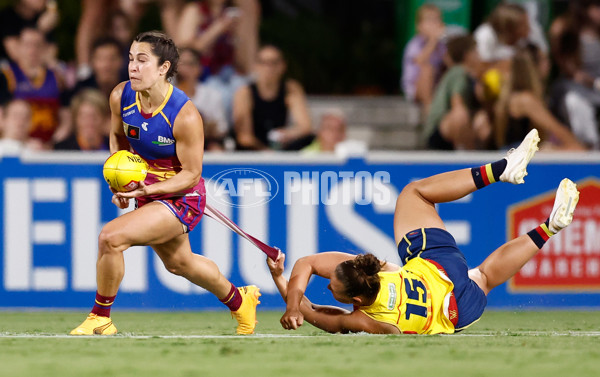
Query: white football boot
<point x="565" y="202"/>
<point x="517" y="159"/>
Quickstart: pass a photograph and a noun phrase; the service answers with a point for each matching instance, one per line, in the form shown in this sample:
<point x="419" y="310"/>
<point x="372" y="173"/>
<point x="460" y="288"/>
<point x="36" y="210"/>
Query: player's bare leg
<point x="152" y="223"/>
<point x="179" y="259"/>
<point x="509" y="258"/>
<point x="415" y="207"/>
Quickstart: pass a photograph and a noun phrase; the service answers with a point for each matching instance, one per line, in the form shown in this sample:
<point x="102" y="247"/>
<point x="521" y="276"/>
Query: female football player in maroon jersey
<point x="158" y="121"/>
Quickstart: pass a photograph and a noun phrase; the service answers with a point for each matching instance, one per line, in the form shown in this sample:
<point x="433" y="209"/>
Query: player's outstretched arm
<point x="276" y="268"/>
<point x="326" y="317"/>
<point x="345" y="322"/>
<point x="322" y="264"/>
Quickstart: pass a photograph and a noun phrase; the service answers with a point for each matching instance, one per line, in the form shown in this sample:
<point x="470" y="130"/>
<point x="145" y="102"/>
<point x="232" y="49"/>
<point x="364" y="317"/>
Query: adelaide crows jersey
<point x="417" y="299"/>
<point x="151" y="135"/>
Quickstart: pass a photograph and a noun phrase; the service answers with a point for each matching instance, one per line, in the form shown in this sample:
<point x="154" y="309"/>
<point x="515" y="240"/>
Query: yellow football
<point x="124" y="170"/>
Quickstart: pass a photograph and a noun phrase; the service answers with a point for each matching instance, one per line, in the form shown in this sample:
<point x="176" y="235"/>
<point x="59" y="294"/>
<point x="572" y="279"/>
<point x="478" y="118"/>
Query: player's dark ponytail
<point x="163" y="47"/>
<point x="359" y="275"/>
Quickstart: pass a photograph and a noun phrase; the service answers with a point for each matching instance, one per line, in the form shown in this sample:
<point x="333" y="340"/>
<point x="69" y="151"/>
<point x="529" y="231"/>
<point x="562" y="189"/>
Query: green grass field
<point x="551" y="343"/>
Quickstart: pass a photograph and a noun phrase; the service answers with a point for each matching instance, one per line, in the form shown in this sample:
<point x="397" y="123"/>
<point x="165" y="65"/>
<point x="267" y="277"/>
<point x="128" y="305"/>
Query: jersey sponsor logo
<point x="162" y="141"/>
<point x="570" y="260"/>
<point x="145" y="126"/>
<point x="392" y="296"/>
<point x="128" y="113"/>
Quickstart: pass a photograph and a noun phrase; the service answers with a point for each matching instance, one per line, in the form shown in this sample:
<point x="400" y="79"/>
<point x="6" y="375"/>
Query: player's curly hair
<point x="359" y="275"/>
<point x="163" y="47"/>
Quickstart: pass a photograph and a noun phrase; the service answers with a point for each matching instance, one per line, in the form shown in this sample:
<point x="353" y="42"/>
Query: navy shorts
<point x="439" y="246"/>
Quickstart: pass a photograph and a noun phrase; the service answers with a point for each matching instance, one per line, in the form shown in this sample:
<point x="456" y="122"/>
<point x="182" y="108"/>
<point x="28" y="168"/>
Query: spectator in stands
<point x="507" y="28"/>
<point x="40" y="14"/>
<point x="106" y="63"/>
<point x="31" y="80"/>
<point x="575" y="39"/>
<point x="332" y="130"/>
<point x="207" y="99"/>
<point x="226" y="37"/>
<point x="455" y="120"/>
<point x="575" y="96"/>
<point x="261" y="109"/>
<point x="15" y="126"/>
<point x="95" y="16"/>
<point x="91" y="117"/>
<point x="521" y="108"/>
<point x="121" y="29"/>
<point x="423" y="59"/>
<point x="5" y="95"/>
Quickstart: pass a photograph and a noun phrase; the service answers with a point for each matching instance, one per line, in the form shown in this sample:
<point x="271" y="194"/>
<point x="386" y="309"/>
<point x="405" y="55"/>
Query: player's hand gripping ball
<point x="124" y="170"/>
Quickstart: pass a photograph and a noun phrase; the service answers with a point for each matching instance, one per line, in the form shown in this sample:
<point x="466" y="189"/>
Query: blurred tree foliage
<point x="337" y="46"/>
<point x="332" y="46"/>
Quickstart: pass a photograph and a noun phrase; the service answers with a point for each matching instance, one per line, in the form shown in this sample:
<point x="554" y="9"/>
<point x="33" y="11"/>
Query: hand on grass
<point x="292" y="319"/>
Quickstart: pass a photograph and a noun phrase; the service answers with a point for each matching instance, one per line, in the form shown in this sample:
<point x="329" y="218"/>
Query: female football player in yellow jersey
<point x="434" y="292"/>
<point x="157" y="121"/>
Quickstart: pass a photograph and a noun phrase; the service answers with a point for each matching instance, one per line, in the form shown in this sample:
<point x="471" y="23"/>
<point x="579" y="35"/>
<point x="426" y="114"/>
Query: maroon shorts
<point x="188" y="208"/>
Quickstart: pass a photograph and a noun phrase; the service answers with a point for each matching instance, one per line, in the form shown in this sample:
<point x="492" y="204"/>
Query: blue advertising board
<point x="54" y="205"/>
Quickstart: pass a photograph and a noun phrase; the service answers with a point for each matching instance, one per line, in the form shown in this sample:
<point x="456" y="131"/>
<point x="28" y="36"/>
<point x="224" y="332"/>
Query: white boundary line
<point x="131" y="336"/>
<point x="294" y="158"/>
<point x="289" y="336"/>
<point x="532" y="333"/>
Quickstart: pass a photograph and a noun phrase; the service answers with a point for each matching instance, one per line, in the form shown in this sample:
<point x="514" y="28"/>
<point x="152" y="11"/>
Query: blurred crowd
<point x="483" y="90"/>
<point x="487" y="89"/>
<point x="240" y="88"/>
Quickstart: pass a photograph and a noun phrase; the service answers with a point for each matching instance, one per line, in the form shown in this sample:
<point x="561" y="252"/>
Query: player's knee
<point x="413" y="186"/>
<point x="177" y="265"/>
<point x="111" y="241"/>
<point x="410" y="189"/>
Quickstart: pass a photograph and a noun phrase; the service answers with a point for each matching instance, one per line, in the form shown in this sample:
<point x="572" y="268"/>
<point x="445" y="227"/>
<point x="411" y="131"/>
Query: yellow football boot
<point x="246" y="314"/>
<point x="95" y="325"/>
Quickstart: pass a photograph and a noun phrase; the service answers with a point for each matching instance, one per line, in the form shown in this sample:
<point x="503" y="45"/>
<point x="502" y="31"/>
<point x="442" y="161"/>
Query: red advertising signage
<point x="570" y="260"/>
